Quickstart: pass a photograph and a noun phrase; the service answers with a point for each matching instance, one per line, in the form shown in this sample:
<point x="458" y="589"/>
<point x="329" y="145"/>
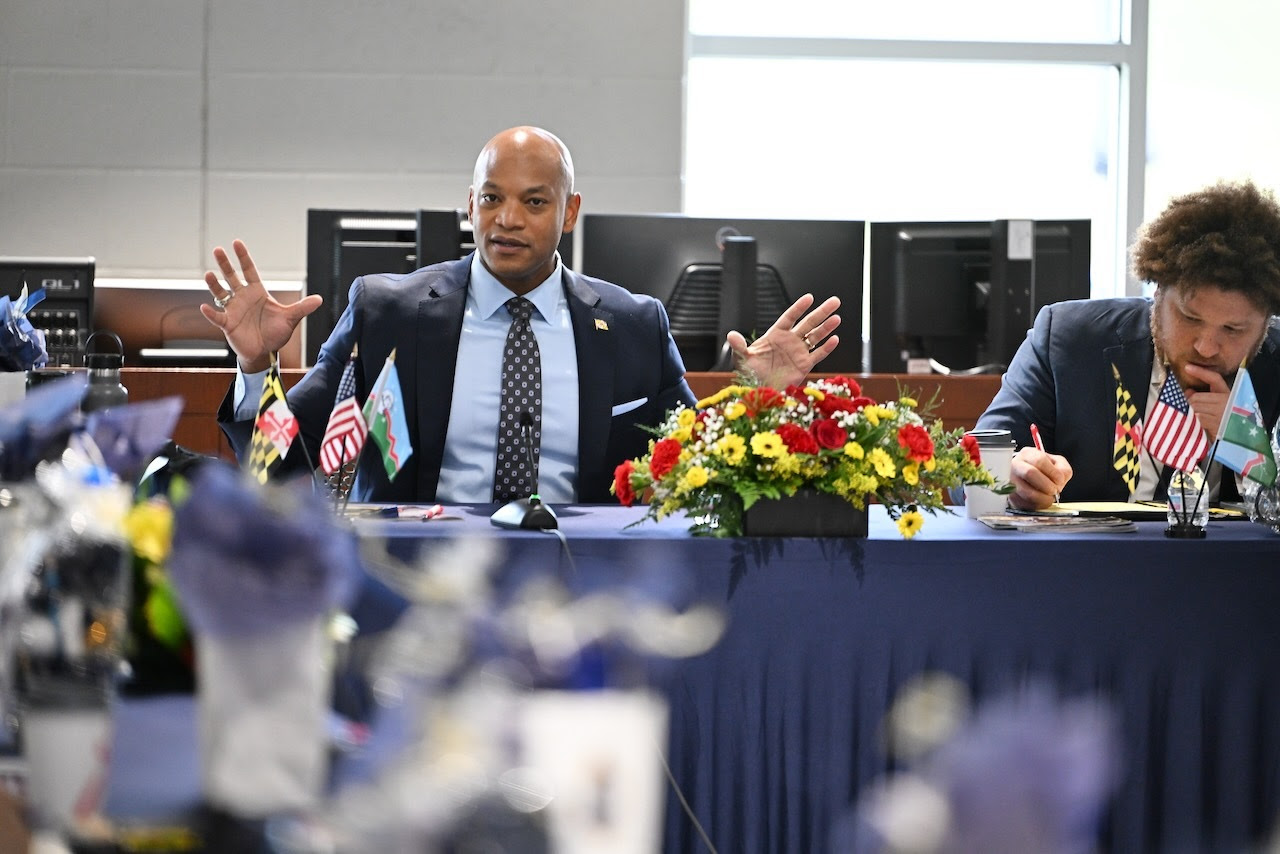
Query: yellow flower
<point x="907" y="401"/>
<point x="686" y="418"/>
<point x="787" y="464"/>
<point x="149" y="527"/>
<point x="911" y="473"/>
<point x="732" y="449"/>
<point x="854" y="450"/>
<point x="708" y="402"/>
<point x="882" y="461"/>
<point x="695" y="477"/>
<point x="815" y="393"/>
<point x="735" y="410"/>
<point x="863" y="483"/>
<point x="682" y="434"/>
<point x="909" y="523"/>
<point x="931" y="464"/>
<point x="767" y="444"/>
<point x="723" y="394"/>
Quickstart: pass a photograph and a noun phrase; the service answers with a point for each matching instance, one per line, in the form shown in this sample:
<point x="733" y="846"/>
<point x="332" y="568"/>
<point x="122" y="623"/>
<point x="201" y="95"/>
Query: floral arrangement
<point x="162" y="654"/>
<point x="748" y="442"/>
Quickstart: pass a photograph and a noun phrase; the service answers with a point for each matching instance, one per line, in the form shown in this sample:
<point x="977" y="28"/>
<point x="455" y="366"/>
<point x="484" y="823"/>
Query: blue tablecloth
<point x="774" y="731"/>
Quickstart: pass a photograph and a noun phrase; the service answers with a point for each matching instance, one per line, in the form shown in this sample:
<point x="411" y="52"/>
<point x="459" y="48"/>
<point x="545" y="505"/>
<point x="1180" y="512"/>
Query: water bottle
<point x="1188" y="508"/>
<point x="104" y="388"/>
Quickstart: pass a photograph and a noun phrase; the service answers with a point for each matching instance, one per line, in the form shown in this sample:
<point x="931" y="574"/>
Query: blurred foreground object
<point x="258" y="570"/>
<point x="1028" y="773"/>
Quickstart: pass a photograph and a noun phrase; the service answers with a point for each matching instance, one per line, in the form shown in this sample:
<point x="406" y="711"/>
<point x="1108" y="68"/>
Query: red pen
<point x="1035" y="437"/>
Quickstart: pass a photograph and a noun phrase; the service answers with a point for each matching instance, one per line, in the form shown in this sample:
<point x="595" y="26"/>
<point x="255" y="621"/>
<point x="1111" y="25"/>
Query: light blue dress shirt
<point x="471" y="443"/>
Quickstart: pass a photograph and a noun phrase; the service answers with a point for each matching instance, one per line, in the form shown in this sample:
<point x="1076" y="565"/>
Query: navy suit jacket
<point x="1061" y="380"/>
<point x="625" y="354"/>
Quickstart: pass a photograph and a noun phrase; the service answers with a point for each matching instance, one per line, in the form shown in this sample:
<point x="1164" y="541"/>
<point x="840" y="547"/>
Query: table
<point x="774" y="731"/>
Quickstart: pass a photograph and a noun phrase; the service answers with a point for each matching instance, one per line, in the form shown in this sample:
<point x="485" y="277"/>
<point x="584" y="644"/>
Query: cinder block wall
<point x="143" y="132"/>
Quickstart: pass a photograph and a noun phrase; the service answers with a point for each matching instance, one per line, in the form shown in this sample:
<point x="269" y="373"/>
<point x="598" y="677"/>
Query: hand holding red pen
<point x="1037" y="475"/>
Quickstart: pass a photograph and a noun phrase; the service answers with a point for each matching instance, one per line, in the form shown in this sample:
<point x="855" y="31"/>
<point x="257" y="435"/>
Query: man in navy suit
<point x="1214" y="257"/>
<point x="609" y="364"/>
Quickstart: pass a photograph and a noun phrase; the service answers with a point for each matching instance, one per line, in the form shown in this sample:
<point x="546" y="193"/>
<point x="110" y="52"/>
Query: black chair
<point x="694" y="311"/>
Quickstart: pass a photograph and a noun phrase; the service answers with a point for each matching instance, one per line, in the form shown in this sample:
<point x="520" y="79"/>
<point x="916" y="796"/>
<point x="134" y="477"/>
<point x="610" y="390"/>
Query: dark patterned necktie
<point x="521" y="393"/>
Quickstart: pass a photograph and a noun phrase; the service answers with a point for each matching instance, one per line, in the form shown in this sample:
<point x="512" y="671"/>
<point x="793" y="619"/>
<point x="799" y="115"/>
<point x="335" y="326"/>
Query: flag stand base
<point x="1185" y="532"/>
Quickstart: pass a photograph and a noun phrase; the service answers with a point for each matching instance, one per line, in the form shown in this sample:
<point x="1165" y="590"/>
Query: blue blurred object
<point x="130" y="436"/>
<point x="1029" y="772"/>
<point x="22" y="346"/>
<point x="41" y="422"/>
<point x="248" y="559"/>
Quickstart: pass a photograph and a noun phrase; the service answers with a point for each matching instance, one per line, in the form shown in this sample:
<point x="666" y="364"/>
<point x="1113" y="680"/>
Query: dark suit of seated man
<point x="1214" y="256"/>
<point x="608" y="362"/>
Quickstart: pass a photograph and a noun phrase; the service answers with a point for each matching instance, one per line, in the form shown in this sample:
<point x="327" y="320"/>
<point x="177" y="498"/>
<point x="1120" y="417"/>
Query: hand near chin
<point x="1209" y="403"/>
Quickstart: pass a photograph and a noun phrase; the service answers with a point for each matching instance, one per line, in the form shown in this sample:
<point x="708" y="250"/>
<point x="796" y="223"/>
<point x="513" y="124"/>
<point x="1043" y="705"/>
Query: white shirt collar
<point x="490" y="294"/>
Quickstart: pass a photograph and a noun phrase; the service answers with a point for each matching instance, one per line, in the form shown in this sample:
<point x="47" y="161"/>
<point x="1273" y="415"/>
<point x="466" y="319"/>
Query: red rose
<point x="849" y="383"/>
<point x="970" y="444"/>
<point x="797" y="439"/>
<point x="859" y="402"/>
<point x="831" y="404"/>
<point x="665" y="456"/>
<point x="829" y="434"/>
<point x="759" y="399"/>
<point x="796" y="391"/>
<point x="917" y="442"/>
<point x="622" y="484"/>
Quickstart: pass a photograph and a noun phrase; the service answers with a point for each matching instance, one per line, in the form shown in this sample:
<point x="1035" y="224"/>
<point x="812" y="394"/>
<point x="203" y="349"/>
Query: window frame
<point x="1128" y="55"/>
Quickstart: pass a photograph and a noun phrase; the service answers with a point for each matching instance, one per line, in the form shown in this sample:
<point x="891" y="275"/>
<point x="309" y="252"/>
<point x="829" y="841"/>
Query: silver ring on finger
<point x="221" y="302"/>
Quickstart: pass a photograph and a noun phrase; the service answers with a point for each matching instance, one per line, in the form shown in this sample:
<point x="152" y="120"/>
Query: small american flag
<point x="345" y="434"/>
<point x="1172" y="434"/>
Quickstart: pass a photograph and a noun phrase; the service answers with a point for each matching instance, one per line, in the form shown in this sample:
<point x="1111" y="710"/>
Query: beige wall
<point x="144" y="131"/>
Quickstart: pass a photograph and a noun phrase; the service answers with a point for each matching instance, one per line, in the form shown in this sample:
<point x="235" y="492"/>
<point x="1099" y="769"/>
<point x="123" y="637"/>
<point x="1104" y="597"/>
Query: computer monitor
<point x="343" y="245"/>
<point x="678" y="259"/>
<point x="446" y="235"/>
<point x="960" y="296"/>
<point x="66" y="314"/>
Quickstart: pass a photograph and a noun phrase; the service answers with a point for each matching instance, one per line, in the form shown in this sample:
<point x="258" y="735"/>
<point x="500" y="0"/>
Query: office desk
<point x="774" y="731"/>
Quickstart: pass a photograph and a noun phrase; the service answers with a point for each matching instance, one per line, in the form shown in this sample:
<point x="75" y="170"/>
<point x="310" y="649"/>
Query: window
<point x="920" y="110"/>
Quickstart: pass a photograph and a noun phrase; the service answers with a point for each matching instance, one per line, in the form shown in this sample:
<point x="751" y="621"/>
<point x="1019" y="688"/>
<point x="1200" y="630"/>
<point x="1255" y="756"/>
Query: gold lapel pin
<point x="601" y="325"/>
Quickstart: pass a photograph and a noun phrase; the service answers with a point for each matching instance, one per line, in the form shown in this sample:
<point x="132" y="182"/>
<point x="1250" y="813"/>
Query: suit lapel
<point x="1133" y="356"/>
<point x="439" y="326"/>
<point x="596" y="350"/>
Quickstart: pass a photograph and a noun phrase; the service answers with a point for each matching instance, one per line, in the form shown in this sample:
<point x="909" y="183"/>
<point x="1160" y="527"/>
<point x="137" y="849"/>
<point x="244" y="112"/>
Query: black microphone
<point x="526" y="512"/>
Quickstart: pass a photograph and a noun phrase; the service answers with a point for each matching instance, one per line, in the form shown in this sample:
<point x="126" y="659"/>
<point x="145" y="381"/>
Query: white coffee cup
<point x="996" y="448"/>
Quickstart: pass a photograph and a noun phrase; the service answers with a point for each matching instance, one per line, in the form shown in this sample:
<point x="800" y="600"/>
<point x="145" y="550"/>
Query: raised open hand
<point x="254" y="322"/>
<point x="788" y="351"/>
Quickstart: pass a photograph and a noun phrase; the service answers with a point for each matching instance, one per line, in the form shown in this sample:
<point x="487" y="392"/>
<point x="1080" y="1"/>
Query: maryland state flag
<point x="384" y="413"/>
<point x="1243" y="444"/>
<point x="1128" y="438"/>
<point x="273" y="430"/>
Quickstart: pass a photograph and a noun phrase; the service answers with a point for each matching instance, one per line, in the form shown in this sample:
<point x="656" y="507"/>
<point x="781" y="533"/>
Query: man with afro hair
<point x="1214" y="258"/>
